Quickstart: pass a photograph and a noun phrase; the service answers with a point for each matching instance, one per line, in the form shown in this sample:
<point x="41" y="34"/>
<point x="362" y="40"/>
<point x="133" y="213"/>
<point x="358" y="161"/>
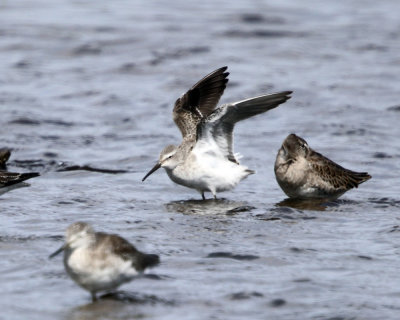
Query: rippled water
<point x="92" y="84"/>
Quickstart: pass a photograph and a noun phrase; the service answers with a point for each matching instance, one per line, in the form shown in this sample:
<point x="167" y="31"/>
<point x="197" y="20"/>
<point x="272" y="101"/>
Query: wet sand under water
<point x="86" y="86"/>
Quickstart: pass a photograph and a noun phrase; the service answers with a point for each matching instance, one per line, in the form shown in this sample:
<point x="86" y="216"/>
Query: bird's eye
<point x="303" y="146"/>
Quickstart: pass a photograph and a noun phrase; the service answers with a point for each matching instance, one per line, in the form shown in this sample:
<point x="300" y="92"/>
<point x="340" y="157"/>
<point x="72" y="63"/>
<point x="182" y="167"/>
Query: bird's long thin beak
<point x="155" y="168"/>
<point x="58" y="251"/>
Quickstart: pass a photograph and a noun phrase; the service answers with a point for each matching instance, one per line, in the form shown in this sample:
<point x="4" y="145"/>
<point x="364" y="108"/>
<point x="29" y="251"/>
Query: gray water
<point x="93" y="83"/>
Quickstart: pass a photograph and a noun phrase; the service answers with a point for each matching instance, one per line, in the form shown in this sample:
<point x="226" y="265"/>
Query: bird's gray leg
<point x="94" y="298"/>
<point x="202" y="195"/>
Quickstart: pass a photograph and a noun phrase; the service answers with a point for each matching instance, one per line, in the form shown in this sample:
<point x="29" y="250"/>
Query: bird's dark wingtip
<point x="366" y="176"/>
<point x="151" y="260"/>
<point x="28" y="175"/>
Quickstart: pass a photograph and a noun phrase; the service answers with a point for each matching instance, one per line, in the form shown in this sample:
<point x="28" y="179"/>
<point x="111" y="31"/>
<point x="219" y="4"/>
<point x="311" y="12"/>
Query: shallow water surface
<point x="86" y="94"/>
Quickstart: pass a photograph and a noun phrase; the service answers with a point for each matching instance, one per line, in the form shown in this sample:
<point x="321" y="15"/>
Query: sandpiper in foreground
<point x="304" y="173"/>
<point x="205" y="160"/>
<point x="98" y="261"/>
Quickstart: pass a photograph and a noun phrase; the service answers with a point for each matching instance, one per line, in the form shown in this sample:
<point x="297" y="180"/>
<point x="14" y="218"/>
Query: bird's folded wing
<point x="336" y="175"/>
<point x="127" y="251"/>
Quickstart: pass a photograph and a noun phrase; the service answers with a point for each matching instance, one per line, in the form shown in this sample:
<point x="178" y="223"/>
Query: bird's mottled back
<point x="199" y="101"/>
<point x="336" y="175"/>
<point x="10" y="178"/>
<point x="125" y="250"/>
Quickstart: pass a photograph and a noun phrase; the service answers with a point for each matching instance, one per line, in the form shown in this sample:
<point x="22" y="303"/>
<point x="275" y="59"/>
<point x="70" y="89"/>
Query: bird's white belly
<point x="95" y="273"/>
<point x="208" y="172"/>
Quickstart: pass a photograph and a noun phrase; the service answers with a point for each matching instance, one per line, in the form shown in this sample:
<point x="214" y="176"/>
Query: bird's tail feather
<point x="150" y="260"/>
<point x="359" y="177"/>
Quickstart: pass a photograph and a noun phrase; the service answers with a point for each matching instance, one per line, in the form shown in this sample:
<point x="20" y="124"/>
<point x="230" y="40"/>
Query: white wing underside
<point x="215" y="133"/>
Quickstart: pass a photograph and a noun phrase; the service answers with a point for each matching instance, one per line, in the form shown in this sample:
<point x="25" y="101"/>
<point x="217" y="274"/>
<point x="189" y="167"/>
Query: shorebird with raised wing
<point x="303" y="173"/>
<point x="98" y="261"/>
<point x="205" y="160"/>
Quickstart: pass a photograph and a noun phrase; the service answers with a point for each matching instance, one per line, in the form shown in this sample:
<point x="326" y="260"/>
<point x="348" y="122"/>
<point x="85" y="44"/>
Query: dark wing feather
<point x="127" y="251"/>
<point x="221" y="122"/>
<point x="199" y="101"/>
<point x="339" y="177"/>
<point x="10" y="178"/>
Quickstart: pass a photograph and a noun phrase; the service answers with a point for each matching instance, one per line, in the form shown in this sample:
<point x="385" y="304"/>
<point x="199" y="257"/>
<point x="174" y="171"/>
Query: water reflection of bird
<point x="304" y="173"/>
<point x="205" y="160"/>
<point x="98" y="261"/>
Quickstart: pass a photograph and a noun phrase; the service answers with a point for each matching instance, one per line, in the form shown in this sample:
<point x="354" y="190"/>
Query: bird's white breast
<point x="206" y="169"/>
<point x="98" y="270"/>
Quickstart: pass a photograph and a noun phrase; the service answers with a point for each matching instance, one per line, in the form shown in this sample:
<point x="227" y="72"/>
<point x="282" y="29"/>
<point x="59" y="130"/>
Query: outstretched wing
<point x="199" y="101"/>
<point x="337" y="176"/>
<point x="10" y="178"/>
<point x="219" y="124"/>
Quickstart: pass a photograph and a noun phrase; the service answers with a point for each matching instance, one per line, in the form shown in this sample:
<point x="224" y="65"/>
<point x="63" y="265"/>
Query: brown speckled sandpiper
<point x="304" y="173"/>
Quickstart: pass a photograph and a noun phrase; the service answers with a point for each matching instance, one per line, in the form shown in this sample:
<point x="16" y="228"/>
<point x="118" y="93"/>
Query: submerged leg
<point x="202" y="195"/>
<point x="94" y="298"/>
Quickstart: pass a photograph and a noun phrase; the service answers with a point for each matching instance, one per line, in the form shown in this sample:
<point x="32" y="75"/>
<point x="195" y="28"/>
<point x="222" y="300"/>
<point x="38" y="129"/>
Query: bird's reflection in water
<point x="117" y="305"/>
<point x="135" y="298"/>
<point x="308" y="204"/>
<point x="209" y="207"/>
<point x="102" y="309"/>
<point x="13" y="187"/>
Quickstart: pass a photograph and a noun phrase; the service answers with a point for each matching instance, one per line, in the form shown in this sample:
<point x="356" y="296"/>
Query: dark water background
<point x="93" y="83"/>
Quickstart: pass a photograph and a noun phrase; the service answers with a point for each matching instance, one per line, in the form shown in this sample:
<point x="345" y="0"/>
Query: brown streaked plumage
<point x="199" y="101"/>
<point x="123" y="248"/>
<point x="98" y="261"/>
<point x="11" y="178"/>
<point x="302" y="172"/>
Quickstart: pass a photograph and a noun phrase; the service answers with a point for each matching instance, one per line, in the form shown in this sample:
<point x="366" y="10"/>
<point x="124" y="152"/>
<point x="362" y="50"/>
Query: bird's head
<point x="78" y="234"/>
<point x="167" y="160"/>
<point x="294" y="147"/>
